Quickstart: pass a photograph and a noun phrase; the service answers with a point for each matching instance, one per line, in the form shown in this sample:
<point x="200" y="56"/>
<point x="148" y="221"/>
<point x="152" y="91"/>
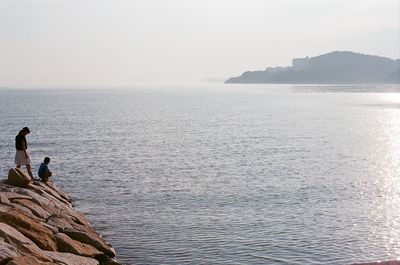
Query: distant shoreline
<point x="339" y="67"/>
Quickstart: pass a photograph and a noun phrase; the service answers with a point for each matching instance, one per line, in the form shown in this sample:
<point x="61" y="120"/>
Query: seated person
<point x="44" y="172"/>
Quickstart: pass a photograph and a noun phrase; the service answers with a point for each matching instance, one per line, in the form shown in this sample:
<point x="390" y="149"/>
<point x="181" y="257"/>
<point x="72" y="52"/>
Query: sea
<point x="222" y="174"/>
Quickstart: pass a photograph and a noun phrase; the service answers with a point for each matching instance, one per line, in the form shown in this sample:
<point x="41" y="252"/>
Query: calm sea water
<point x="223" y="174"/>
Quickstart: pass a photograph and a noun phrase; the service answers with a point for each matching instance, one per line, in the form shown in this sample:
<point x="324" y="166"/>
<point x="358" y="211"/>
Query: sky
<point x="67" y="43"/>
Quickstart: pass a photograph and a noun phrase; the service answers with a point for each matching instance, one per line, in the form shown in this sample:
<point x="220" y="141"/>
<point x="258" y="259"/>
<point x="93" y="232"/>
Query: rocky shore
<point x="38" y="225"/>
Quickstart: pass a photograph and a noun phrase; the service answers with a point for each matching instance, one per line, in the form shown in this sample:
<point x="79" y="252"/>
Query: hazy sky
<point x="126" y="42"/>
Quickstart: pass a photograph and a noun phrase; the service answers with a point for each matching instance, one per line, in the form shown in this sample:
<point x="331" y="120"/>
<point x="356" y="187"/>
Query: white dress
<point x="20" y="158"/>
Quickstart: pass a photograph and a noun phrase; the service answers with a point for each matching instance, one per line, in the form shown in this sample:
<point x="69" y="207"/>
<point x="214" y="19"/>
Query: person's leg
<point x="46" y="175"/>
<point x="29" y="169"/>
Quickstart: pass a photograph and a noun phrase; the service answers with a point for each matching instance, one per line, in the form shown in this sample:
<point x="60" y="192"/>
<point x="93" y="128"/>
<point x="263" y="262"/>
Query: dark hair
<point x="26" y="129"/>
<point x="47" y="160"/>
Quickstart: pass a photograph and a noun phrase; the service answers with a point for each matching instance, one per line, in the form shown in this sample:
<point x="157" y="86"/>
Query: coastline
<point x="38" y="225"/>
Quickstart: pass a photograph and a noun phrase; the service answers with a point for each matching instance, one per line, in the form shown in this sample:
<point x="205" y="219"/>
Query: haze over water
<point x="223" y="174"/>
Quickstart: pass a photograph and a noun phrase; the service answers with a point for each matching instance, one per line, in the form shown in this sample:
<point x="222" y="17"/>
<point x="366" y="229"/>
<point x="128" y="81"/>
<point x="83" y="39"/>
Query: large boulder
<point x="4" y="199"/>
<point x="77" y="217"/>
<point x="60" y="192"/>
<point x="7" y="251"/>
<point x="64" y="221"/>
<point x="17" y="178"/>
<point x="6" y="188"/>
<point x="91" y="238"/>
<point x="15" y="195"/>
<point x="25" y="210"/>
<point x="20" y="242"/>
<point x="45" y="188"/>
<point x="5" y="208"/>
<point x="36" y="197"/>
<point x="67" y="244"/>
<point x="58" y="222"/>
<point x="35" y="209"/>
<point x="50" y="227"/>
<point x="31" y="228"/>
<point x="70" y="259"/>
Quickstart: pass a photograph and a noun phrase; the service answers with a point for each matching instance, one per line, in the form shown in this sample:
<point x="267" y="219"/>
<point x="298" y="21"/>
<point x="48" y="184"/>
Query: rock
<point x="91" y="239"/>
<point x="36" y="197"/>
<point x="17" y="178"/>
<point x="70" y="259"/>
<point x="39" y="226"/>
<point x="23" y="244"/>
<point x="5" y="208"/>
<point x="50" y="227"/>
<point x="5" y="187"/>
<point x="36" y="209"/>
<point x="28" y="260"/>
<point x="31" y="228"/>
<point x="45" y="203"/>
<point x="43" y="189"/>
<point x="55" y="221"/>
<point x="60" y="192"/>
<point x="109" y="262"/>
<point x="78" y="218"/>
<point x="25" y="210"/>
<point x="50" y="191"/>
<point x="67" y="244"/>
<point x="55" y="202"/>
<point x="14" y="195"/>
<point x="7" y="251"/>
<point x="4" y="199"/>
<point x="66" y="222"/>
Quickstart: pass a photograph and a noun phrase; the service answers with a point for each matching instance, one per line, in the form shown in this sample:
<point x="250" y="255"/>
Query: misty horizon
<point x="125" y="43"/>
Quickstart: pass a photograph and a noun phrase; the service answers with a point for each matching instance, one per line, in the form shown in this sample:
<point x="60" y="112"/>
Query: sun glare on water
<point x="384" y="161"/>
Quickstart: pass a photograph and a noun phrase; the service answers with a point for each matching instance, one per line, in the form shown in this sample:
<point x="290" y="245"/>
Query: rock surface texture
<point x="39" y="226"/>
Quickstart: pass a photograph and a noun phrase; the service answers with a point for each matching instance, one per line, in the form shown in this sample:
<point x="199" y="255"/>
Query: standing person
<point x="22" y="156"/>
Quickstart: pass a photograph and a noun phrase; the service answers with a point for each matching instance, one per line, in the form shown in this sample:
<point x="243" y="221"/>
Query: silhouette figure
<point x="44" y="171"/>
<point x="22" y="155"/>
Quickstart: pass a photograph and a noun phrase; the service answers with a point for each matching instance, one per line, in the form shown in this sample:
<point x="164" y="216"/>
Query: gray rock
<point x="91" y="239"/>
<point x="28" y="260"/>
<point x="50" y="227"/>
<point x="14" y="195"/>
<point x="7" y="251"/>
<point x="5" y="208"/>
<point x="46" y="189"/>
<point x="4" y="199"/>
<point x="60" y="192"/>
<point x="60" y="223"/>
<point x="70" y="259"/>
<point x="67" y="244"/>
<point x="36" y="197"/>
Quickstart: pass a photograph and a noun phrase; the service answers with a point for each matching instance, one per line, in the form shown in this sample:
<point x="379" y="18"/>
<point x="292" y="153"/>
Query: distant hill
<point x="394" y="78"/>
<point x="337" y="67"/>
